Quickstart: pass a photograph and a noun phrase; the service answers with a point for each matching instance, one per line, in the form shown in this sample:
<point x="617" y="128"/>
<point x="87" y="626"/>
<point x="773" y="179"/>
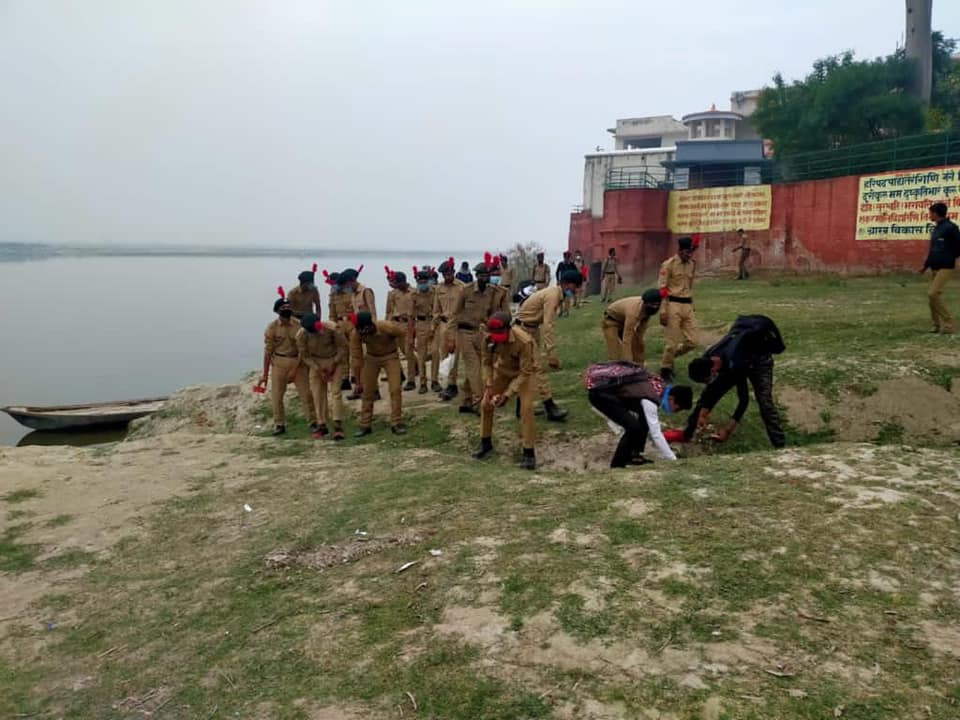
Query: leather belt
<point x="401" y="318"/>
<point x="681" y="300"/>
<point x="530" y="326"/>
<point x="466" y="326"/>
<point x="422" y="318"/>
<point x="442" y="318"/>
<point x="285" y="355"/>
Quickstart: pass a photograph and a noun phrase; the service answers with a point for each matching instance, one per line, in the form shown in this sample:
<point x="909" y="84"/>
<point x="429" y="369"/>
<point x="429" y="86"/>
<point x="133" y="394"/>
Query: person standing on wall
<point x="744" y="248"/>
<point x="676" y="315"/>
<point x="541" y="273"/>
<point x="942" y="261"/>
<point x="610" y="276"/>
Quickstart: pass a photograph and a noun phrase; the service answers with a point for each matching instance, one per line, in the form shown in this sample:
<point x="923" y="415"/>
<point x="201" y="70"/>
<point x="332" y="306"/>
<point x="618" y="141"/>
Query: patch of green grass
<point x="69" y="559"/>
<point x="890" y="433"/>
<point x="18" y="496"/>
<point x="59" y="520"/>
<point x="579" y="622"/>
<point x="15" y="556"/>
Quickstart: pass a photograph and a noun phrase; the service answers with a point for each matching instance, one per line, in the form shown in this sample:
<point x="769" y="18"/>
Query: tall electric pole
<point x="918" y="45"/>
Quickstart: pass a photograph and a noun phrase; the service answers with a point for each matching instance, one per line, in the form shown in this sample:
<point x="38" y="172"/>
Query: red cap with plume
<point x="674" y="436"/>
<point x="280" y="292"/>
<point x="499" y="328"/>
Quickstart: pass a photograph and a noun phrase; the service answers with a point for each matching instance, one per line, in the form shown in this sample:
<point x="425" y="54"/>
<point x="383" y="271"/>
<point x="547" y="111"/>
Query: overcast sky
<point x="428" y="124"/>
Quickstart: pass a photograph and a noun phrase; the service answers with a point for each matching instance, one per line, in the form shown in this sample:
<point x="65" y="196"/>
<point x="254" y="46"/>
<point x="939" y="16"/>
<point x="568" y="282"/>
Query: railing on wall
<point x="640" y="176"/>
<point x="904" y="153"/>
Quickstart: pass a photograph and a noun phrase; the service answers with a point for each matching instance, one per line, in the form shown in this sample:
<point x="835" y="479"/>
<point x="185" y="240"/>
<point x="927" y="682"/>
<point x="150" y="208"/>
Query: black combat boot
<point x="410" y="386"/>
<point x="279" y="430"/>
<point x="435" y="386"/>
<point x="338" y="431"/>
<point x="399" y="429"/>
<point x="450" y="393"/>
<point x="554" y="413"/>
<point x="486" y="447"/>
<point x="529" y="460"/>
<point x="363" y="432"/>
<point x="345" y="384"/>
<point x="469" y="410"/>
<point x="422" y="390"/>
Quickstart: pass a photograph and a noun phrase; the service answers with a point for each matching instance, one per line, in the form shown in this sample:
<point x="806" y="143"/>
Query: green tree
<point x="843" y="101"/>
<point x="944" y="113"/>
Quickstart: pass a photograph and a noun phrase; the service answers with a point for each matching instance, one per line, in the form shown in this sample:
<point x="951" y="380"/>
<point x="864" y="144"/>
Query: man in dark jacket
<point x="745" y="353"/>
<point x="563" y="267"/>
<point x="942" y="260"/>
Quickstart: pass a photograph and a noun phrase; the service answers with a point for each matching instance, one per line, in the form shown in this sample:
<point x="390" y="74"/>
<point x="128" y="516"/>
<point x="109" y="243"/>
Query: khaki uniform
<point x="445" y="302"/>
<point x="538" y="318"/>
<point x="511" y="367"/>
<point x="303" y="302"/>
<point x="742" y="272"/>
<point x="423" y="335"/>
<point x="280" y="343"/>
<point x="364" y="301"/>
<point x="939" y="313"/>
<point x="382" y="353"/>
<point x="608" y="278"/>
<point x="400" y="310"/>
<point x="624" y="324"/>
<point x="507" y="281"/>
<point x="325" y="356"/>
<point x="680" y="328"/>
<point x="582" y="290"/>
<point x="541" y="276"/>
<point x="473" y="308"/>
<point x="340" y="305"/>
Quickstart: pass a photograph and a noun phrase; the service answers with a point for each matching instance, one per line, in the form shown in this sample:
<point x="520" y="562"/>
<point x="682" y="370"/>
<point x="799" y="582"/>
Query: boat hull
<point x="80" y="417"/>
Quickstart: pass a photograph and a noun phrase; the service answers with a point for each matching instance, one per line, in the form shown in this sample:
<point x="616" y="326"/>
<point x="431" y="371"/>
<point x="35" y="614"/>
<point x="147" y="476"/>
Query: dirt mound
<point x="925" y="412"/>
<point x="805" y="408"/>
<point x="327" y="556"/>
<point x="207" y="408"/>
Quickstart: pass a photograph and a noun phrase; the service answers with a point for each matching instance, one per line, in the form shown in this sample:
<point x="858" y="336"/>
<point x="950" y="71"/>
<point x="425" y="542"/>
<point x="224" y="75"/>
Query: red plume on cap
<point x="664" y="292"/>
<point x="496" y="262"/>
<point x="452" y="264"/>
<point x="696" y="240"/>
<point x="314" y="269"/>
<point x="488" y="260"/>
<point x="319" y="326"/>
<point x="359" y="269"/>
<point x="326" y="277"/>
<point x="415" y="271"/>
<point x="280" y="292"/>
<point x="353" y="319"/>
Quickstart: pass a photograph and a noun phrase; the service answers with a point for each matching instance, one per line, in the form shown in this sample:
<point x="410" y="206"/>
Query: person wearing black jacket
<point x="744" y="354"/>
<point x="562" y="267"/>
<point x="942" y="260"/>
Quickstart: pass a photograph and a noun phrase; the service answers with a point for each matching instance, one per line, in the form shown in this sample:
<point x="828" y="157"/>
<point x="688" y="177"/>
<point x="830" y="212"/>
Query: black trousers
<point x="761" y="377"/>
<point x="634" y="425"/>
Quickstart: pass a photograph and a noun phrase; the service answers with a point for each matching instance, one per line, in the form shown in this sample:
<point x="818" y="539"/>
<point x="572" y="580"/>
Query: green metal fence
<point x="904" y="153"/>
<point x="641" y="176"/>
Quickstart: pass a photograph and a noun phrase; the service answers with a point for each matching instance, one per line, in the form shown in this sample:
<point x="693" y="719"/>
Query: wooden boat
<point x="81" y="417"/>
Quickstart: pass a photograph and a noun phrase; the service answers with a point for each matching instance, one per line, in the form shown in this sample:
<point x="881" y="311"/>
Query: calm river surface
<point x="91" y="329"/>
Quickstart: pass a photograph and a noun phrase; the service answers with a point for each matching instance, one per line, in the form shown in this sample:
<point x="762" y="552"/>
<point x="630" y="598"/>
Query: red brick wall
<point x="812" y="228"/>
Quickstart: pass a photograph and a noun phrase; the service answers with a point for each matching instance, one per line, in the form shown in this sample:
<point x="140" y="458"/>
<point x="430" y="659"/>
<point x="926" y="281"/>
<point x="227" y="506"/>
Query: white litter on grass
<point x="360" y="532"/>
<point x="444" y="370"/>
<point x="407" y="566"/>
<point x="247" y="508"/>
<point x="436" y="553"/>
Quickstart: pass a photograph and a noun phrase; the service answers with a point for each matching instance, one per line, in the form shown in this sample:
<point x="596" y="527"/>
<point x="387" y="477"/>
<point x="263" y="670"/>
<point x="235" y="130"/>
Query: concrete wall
<point x="812" y="228"/>
<point x="664" y="126"/>
<point x="596" y="165"/>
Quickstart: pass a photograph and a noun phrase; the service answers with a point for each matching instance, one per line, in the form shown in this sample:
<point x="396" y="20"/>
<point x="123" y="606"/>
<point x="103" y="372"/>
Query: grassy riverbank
<point x="820" y="581"/>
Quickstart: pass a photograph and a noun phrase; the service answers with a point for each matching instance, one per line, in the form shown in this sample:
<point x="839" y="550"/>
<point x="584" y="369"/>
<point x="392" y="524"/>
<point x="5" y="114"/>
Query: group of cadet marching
<point x="498" y="337"/>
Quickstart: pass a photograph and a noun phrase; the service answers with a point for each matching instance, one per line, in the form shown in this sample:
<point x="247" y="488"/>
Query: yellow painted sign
<point x="895" y="206"/>
<point x="719" y="209"/>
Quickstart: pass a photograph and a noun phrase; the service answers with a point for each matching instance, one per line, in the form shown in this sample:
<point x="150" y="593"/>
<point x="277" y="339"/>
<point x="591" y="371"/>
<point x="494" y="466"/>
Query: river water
<point x="93" y="329"/>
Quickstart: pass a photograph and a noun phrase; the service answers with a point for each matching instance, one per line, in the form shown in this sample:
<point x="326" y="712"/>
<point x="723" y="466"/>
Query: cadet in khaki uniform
<point x="609" y="276"/>
<point x="423" y="300"/>
<point x="323" y="350"/>
<point x="625" y="323"/>
<point x="744" y="248"/>
<point x="677" y="317"/>
<point x="382" y="339"/>
<point x="510" y="363"/>
<point x="340" y="307"/>
<point x="477" y="302"/>
<point x="280" y="353"/>
<point x="305" y="298"/>
<point x="540" y="311"/>
<point x="582" y="268"/>
<point x="507" y="279"/>
<point x="361" y="300"/>
<point x="541" y="273"/>
<point x="446" y="297"/>
<point x="400" y="310"/>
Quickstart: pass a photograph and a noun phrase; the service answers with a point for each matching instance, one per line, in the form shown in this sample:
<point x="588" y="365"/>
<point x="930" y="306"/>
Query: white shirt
<point x="650" y="412"/>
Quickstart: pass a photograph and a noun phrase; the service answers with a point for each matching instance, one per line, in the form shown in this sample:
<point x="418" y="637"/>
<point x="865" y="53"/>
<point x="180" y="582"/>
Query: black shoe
<point x="450" y="393"/>
<point x="538" y="411"/>
<point x="529" y="460"/>
<point x="422" y="390"/>
<point x="279" y="430"/>
<point x="469" y="410"/>
<point x="436" y="387"/>
<point x="640" y="460"/>
<point x="338" y="432"/>
<point x="363" y="432"/>
<point x="355" y="395"/>
<point x="411" y="386"/>
<point x="554" y="413"/>
<point x="321" y="430"/>
<point x="345" y="384"/>
<point x="403" y="376"/>
<point x="378" y="396"/>
<point x="486" y="447"/>
<point x="666" y="374"/>
<point x="399" y="429"/>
